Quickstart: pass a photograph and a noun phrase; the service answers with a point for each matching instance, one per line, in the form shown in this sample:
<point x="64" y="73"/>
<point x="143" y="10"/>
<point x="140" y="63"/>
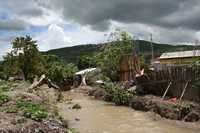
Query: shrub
<point x="3" y="99"/>
<point x="122" y="97"/>
<point x="117" y="95"/>
<point x="11" y="110"/>
<point x="32" y="110"/>
<point x="62" y="74"/>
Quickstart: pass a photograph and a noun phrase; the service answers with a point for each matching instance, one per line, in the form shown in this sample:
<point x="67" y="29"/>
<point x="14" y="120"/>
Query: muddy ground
<point x="24" y="112"/>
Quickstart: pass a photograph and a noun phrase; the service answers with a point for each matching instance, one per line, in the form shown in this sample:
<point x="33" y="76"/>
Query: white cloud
<point x="84" y="35"/>
<point x="55" y="37"/>
<point x="47" y="18"/>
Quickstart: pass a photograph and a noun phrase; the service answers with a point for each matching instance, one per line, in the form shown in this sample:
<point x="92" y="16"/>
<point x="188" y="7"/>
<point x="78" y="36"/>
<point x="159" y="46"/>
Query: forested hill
<point x="72" y="54"/>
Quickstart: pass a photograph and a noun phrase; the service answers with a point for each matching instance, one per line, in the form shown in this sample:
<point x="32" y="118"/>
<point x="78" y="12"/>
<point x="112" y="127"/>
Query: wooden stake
<point x="163" y="97"/>
<point x="184" y="91"/>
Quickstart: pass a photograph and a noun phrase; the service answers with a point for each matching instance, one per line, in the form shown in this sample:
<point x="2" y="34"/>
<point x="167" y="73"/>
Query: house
<point x="182" y="57"/>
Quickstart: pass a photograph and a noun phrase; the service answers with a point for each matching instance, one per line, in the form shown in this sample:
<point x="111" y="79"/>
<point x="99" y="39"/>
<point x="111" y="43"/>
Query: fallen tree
<point x="43" y="80"/>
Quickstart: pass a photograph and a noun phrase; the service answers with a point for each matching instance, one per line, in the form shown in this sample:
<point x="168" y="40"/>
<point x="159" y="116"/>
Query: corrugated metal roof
<point x="181" y="54"/>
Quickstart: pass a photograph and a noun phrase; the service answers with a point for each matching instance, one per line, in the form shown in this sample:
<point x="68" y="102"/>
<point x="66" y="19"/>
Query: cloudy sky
<point x="62" y="23"/>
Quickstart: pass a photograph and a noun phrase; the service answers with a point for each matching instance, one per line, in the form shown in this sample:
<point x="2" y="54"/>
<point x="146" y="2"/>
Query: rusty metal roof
<point x="181" y="54"/>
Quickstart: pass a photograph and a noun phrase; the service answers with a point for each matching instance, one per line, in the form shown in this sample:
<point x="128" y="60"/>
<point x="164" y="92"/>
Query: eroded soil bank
<point x="24" y="112"/>
<point x="171" y="109"/>
<point x="97" y="116"/>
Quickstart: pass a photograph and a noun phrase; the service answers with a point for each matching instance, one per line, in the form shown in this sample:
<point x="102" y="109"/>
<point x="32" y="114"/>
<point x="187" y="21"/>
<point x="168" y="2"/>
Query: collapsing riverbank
<point x="25" y="112"/>
<point x="170" y="109"/>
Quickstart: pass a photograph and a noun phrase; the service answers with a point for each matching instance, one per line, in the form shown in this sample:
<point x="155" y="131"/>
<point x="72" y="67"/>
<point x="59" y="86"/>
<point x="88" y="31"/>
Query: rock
<point x="192" y="117"/>
<point x="77" y="119"/>
<point x="98" y="93"/>
<point x="76" y="106"/>
<point x="138" y="104"/>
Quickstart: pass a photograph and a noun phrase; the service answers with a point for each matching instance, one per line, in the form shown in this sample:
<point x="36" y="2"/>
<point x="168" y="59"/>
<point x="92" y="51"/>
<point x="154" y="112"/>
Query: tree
<point x="61" y="74"/>
<point x="86" y="62"/>
<point x="24" y="58"/>
<point x="109" y="58"/>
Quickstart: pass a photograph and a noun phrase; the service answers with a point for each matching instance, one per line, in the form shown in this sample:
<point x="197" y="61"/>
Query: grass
<point x="32" y="110"/>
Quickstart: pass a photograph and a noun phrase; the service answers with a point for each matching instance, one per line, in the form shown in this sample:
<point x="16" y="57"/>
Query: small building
<point x="176" y="58"/>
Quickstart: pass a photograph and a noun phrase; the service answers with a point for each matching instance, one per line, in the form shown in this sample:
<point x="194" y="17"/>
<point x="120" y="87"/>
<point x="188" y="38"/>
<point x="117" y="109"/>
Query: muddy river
<point x="97" y="116"/>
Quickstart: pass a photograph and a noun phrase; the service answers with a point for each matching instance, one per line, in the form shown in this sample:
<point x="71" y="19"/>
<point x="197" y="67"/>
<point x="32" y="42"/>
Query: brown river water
<point x="97" y="116"/>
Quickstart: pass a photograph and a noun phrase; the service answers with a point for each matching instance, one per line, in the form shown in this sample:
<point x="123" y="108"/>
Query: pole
<point x="163" y="97"/>
<point x="152" y="50"/>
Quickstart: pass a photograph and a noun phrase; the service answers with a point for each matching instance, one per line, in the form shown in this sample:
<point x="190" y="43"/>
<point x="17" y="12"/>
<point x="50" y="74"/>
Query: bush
<point x="122" y="97"/>
<point x="117" y="94"/>
<point x="11" y="110"/>
<point x="32" y="110"/>
<point x="3" y="99"/>
<point x="62" y="74"/>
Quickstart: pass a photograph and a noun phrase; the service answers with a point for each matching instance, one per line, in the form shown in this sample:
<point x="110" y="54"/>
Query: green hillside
<point x="72" y="54"/>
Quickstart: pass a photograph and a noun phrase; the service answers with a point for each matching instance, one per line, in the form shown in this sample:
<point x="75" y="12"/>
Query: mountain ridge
<point x="72" y="54"/>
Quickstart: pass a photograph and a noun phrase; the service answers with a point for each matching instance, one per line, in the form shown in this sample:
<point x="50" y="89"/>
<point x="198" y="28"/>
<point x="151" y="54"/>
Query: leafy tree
<point x="62" y="74"/>
<point x="109" y="58"/>
<point x="86" y="62"/>
<point x="24" y="58"/>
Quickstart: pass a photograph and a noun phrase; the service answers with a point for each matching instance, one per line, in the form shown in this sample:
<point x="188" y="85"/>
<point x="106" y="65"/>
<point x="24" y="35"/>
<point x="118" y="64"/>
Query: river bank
<point x="98" y="116"/>
<point x="24" y="112"/>
<point x="171" y="109"/>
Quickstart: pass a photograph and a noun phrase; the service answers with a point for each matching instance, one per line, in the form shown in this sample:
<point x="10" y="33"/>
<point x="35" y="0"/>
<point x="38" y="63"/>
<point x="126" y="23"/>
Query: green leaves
<point x="117" y="95"/>
<point x="24" y="59"/>
<point x="3" y="99"/>
<point x="61" y="73"/>
<point x="32" y="110"/>
<point x="109" y="58"/>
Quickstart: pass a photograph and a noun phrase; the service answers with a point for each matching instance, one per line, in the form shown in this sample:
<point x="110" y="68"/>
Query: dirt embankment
<point x="185" y="110"/>
<point x="23" y="112"/>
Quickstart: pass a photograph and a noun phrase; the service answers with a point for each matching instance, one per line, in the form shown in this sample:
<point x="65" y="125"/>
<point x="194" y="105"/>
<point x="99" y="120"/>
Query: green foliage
<point x="32" y="110"/>
<point x="143" y="63"/>
<point x="86" y="62"/>
<point x="4" y="86"/>
<point x="11" y="110"/>
<point x="3" y="99"/>
<point x="72" y="130"/>
<point x="72" y="54"/>
<point x="95" y="76"/>
<point x="61" y="73"/>
<point x="109" y="58"/>
<point x="117" y="95"/>
<point x="24" y="58"/>
<point x="2" y="72"/>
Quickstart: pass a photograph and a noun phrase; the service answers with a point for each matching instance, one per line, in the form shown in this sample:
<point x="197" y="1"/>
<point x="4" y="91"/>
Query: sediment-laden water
<point x="100" y="117"/>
